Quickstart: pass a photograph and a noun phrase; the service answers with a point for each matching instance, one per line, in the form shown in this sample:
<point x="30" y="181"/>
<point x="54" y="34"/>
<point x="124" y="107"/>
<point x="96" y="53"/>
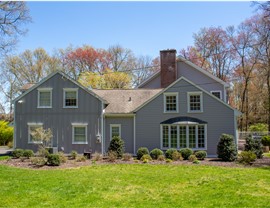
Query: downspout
<point x="102" y="128"/>
<point x="14" y="127"/>
<point x="235" y="129"/>
<point x="134" y="134"/>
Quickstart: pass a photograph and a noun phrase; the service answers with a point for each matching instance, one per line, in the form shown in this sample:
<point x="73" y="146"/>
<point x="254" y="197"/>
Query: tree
<point x="13" y="17"/>
<point x="44" y="136"/>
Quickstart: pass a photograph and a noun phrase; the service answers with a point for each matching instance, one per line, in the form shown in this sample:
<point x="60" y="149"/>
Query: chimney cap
<point x="168" y="50"/>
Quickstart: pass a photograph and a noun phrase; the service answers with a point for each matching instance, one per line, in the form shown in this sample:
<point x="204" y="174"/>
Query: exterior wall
<point x="153" y="84"/>
<point x="219" y="118"/>
<point x="127" y="132"/>
<point x="57" y="118"/>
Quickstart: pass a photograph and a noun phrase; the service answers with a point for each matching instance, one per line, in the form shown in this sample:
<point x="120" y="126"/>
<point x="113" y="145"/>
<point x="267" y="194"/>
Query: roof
<point x="50" y="76"/>
<point x="27" y="86"/>
<point x="125" y="101"/>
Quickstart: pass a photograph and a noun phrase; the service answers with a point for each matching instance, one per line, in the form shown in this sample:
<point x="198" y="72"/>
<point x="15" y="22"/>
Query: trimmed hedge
<point x="142" y="151"/>
<point x="186" y="152"/>
<point x="155" y="153"/>
<point x="169" y="153"/>
<point x="200" y="155"/>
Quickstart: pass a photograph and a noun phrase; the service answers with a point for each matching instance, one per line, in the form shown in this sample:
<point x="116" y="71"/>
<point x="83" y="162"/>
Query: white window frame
<point x="38" y="125"/>
<point x="44" y="90"/>
<point x="74" y="125"/>
<point x="220" y="93"/>
<point x="165" y="103"/>
<point x="187" y="136"/>
<point x="64" y="97"/>
<point x="115" y="125"/>
<point x="201" y="102"/>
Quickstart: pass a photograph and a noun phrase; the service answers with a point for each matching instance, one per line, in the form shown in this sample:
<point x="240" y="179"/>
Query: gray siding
<point x="153" y="84"/>
<point x="219" y="117"/>
<point x="126" y="131"/>
<point x="57" y="118"/>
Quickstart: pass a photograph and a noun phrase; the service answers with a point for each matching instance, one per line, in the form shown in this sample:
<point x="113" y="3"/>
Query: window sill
<point x="79" y="142"/>
<point x="168" y="112"/>
<point x="70" y="107"/>
<point x="44" y="107"/>
<point x="195" y="111"/>
<point x="34" y="142"/>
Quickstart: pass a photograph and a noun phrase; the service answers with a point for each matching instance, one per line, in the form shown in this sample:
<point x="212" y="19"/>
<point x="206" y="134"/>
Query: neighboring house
<point x="180" y="106"/>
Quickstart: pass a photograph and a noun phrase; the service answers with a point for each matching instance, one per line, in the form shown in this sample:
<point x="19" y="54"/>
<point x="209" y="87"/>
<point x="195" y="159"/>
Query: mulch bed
<point x="264" y="162"/>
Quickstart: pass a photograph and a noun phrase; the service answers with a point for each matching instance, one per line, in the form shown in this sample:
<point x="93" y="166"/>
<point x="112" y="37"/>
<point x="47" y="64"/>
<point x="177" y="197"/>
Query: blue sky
<point x="144" y="27"/>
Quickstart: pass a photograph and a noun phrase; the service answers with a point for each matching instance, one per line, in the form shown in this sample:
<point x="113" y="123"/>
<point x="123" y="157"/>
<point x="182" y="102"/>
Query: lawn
<point x="136" y="185"/>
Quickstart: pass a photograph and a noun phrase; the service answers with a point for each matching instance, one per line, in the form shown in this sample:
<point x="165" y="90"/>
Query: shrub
<point x="258" y="127"/>
<point x="196" y="162"/>
<point x="226" y="148"/>
<point x="81" y="158"/>
<point x="155" y="153"/>
<point x="255" y="146"/>
<point x="146" y="157"/>
<point x="246" y="157"/>
<point x="117" y="146"/>
<point x="168" y="160"/>
<point x="10" y="145"/>
<point x="192" y="158"/>
<point x="28" y="153"/>
<point x="17" y="153"/>
<point x="112" y="156"/>
<point x="38" y="161"/>
<point x="142" y="151"/>
<point x="200" y="155"/>
<point x="186" y="152"/>
<point x="73" y="155"/>
<point x="145" y="161"/>
<point x="161" y="158"/>
<point x="53" y="160"/>
<point x="6" y="133"/>
<point x="97" y="156"/>
<point x="176" y="156"/>
<point x="127" y="156"/>
<point x="42" y="152"/>
<point x="266" y="140"/>
<point x="169" y="153"/>
<point x="62" y="157"/>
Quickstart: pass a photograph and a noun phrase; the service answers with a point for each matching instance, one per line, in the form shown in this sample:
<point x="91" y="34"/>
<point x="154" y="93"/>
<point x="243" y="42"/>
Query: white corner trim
<point x="115" y="125"/>
<point x="201" y="101"/>
<point x="134" y="135"/>
<point x="165" y="94"/>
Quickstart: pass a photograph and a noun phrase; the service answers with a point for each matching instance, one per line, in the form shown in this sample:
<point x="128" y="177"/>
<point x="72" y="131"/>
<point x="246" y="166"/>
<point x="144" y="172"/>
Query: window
<point x="31" y="128"/>
<point x="79" y="132"/>
<point x="44" y="97"/>
<point x="170" y="102"/>
<point x="217" y="94"/>
<point x="195" y="102"/>
<point x="115" y="130"/>
<point x="184" y="136"/>
<point x="70" y="98"/>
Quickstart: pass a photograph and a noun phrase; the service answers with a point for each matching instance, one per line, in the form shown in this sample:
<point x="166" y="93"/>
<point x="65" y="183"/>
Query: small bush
<point x="10" y="145"/>
<point x="192" y="158"/>
<point x="196" y="162"/>
<point x="142" y="151"/>
<point x="73" y="155"/>
<point x="6" y="133"/>
<point x="186" y="152"/>
<point x="97" y="156"/>
<point x="255" y="146"/>
<point x="155" y="153"/>
<point x="146" y="157"/>
<point x="161" y="158"/>
<point x="17" y="153"/>
<point x="136" y="161"/>
<point x="112" y="156"/>
<point x="63" y="158"/>
<point x="28" y="153"/>
<point x="176" y="156"/>
<point x="200" y="155"/>
<point x="117" y="145"/>
<point x="81" y="158"/>
<point x="127" y="156"/>
<point x="246" y="157"/>
<point x="266" y="140"/>
<point x="226" y="149"/>
<point x="258" y="127"/>
<point x="168" y="160"/>
<point x="53" y="160"/>
<point x="42" y="152"/>
<point x="169" y="153"/>
<point x="38" y="161"/>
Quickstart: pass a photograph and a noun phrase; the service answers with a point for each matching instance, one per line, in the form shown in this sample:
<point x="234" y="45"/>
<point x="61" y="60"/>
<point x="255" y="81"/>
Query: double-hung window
<point x="44" y="97"/>
<point x="31" y="129"/>
<point x="70" y="97"/>
<point x="79" y="134"/>
<point x="115" y="130"/>
<point x="183" y="136"/>
<point x="195" y="102"/>
<point x="216" y="93"/>
<point x="171" y="102"/>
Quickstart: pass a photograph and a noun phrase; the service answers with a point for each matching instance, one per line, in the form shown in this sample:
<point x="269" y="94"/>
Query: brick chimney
<point x="168" y="67"/>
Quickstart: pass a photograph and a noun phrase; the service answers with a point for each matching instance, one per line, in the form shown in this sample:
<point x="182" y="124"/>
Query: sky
<point x="144" y="27"/>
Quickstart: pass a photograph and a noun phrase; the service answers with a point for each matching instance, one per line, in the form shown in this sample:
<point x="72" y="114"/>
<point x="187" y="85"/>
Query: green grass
<point x="137" y="185"/>
<point x="4" y="157"/>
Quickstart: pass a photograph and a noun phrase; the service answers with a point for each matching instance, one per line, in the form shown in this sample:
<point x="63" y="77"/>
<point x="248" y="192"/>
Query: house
<point x="180" y="106"/>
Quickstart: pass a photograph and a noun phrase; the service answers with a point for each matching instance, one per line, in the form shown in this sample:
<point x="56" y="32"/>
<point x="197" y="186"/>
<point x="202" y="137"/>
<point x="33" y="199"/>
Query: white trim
<point x="38" y="125"/>
<point x="119" y="114"/>
<point x="165" y="94"/>
<point x="102" y="128"/>
<point x="74" y="125"/>
<point x="15" y="128"/>
<point x="63" y="76"/>
<point x="64" y="97"/>
<point x="134" y="134"/>
<point x="44" y="90"/>
<point x="220" y="93"/>
<point x="235" y="130"/>
<point x="201" y="102"/>
<point x="115" y="125"/>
